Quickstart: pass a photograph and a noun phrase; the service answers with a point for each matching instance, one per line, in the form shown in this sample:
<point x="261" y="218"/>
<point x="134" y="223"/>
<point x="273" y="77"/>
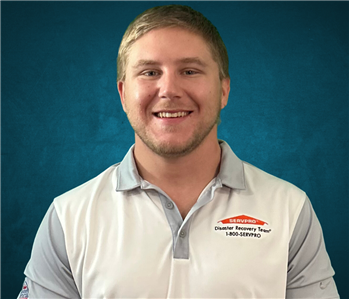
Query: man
<point x="181" y="216"/>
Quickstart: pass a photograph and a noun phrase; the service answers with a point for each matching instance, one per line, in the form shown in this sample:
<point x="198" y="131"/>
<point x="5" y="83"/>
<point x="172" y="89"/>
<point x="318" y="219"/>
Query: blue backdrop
<point x="62" y="122"/>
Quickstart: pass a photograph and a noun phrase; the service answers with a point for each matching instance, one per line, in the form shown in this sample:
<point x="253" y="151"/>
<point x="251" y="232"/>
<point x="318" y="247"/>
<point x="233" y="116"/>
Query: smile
<point x="172" y="114"/>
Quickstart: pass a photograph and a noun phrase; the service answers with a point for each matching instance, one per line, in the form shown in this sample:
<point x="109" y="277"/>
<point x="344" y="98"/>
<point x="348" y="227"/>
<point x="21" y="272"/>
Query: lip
<point x="176" y="113"/>
<point x="171" y="111"/>
<point x="172" y="120"/>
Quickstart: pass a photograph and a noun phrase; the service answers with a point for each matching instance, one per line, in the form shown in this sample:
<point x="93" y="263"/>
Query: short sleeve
<point x="310" y="274"/>
<point x="48" y="273"/>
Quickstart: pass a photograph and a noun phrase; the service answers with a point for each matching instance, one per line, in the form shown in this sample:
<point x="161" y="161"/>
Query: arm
<point x="48" y="273"/>
<point x="309" y="268"/>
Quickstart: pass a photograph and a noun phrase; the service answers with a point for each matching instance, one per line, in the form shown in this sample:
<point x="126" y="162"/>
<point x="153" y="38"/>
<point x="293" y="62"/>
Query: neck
<point x="195" y="169"/>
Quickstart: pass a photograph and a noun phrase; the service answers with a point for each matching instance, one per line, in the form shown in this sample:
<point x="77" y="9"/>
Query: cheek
<point x="140" y="97"/>
<point x="145" y="94"/>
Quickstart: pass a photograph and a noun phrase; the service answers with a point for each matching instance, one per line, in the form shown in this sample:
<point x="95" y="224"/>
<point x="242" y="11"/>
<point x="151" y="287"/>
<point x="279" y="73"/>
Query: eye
<point x="190" y="72"/>
<point x="150" y="73"/>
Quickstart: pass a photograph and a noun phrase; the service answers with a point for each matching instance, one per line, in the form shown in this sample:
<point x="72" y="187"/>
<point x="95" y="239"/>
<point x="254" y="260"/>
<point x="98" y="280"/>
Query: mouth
<point x="177" y="114"/>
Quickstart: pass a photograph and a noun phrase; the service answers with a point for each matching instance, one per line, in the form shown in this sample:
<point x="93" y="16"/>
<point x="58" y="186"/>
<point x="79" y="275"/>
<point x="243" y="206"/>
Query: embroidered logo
<point x="243" y="226"/>
<point x="24" y="294"/>
<point x="243" y="219"/>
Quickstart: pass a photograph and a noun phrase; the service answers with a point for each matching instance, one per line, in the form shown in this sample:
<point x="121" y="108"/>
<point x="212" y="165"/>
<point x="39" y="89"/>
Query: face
<point x="172" y="93"/>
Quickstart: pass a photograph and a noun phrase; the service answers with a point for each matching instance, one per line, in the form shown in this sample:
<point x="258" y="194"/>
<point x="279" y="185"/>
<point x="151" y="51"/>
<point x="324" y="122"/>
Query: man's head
<point x="172" y="81"/>
<point x="173" y="16"/>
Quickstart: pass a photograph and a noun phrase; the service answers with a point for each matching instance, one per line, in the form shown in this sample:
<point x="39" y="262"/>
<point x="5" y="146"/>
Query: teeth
<point x="168" y="114"/>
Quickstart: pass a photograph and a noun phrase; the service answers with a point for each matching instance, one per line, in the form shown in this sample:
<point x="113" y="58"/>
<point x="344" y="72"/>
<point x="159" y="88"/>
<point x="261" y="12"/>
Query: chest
<point x="141" y="253"/>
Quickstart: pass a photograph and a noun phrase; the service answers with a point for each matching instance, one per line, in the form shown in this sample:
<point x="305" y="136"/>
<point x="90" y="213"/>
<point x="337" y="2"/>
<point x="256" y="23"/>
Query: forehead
<point x="165" y="44"/>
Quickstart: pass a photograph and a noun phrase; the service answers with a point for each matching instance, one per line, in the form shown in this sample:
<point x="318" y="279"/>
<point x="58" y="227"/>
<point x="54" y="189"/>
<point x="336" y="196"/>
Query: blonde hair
<point x="173" y="16"/>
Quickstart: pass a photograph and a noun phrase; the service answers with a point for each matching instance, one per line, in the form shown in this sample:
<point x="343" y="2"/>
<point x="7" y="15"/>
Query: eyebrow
<point x="145" y="62"/>
<point x="195" y="60"/>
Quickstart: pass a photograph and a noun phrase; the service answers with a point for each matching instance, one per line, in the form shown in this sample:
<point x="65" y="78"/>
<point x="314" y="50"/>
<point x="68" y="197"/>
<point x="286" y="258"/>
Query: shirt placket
<point x="181" y="228"/>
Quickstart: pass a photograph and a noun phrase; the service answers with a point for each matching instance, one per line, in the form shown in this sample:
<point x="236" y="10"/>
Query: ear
<point x="121" y="90"/>
<point x="225" y="92"/>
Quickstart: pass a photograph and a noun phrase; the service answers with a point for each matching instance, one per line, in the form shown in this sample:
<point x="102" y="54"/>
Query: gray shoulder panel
<point x="309" y="267"/>
<point x="48" y="271"/>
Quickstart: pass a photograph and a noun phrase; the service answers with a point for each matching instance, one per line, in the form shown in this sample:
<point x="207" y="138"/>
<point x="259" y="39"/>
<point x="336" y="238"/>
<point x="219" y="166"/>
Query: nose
<point x="170" y="86"/>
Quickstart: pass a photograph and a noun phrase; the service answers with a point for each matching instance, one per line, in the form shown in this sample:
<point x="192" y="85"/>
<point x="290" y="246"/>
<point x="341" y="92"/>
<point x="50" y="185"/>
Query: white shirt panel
<point x="119" y="244"/>
<point x="125" y="236"/>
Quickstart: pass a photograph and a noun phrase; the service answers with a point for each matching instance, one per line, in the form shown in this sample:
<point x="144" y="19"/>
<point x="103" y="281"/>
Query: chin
<point x="171" y="148"/>
<point x="174" y="145"/>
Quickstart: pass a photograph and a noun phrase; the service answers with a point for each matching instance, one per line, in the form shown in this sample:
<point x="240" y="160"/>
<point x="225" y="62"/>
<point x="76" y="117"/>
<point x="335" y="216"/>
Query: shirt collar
<point x="127" y="174"/>
<point x="231" y="172"/>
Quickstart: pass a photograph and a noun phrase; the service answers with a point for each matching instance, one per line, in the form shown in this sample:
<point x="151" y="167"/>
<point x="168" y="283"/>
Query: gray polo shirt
<point x="249" y="235"/>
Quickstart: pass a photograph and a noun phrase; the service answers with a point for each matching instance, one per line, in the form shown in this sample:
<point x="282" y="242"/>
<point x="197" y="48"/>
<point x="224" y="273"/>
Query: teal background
<point x="62" y="122"/>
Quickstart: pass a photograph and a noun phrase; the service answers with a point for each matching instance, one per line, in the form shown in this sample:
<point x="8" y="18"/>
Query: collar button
<point x="182" y="234"/>
<point x="169" y="205"/>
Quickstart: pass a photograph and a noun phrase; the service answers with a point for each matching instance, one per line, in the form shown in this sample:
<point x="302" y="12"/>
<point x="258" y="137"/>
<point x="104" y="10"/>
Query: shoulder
<point x="270" y="194"/>
<point x="82" y="196"/>
<point x="260" y="181"/>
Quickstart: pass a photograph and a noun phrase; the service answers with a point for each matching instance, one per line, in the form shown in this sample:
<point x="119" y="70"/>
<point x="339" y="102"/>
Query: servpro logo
<point x="24" y="294"/>
<point x="242" y="219"/>
<point x="243" y="226"/>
